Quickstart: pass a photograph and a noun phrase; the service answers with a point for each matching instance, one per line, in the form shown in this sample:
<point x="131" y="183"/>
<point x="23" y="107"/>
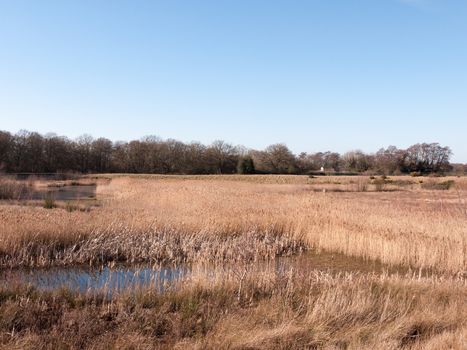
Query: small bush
<point x="245" y="165"/>
<point x="70" y="207"/>
<point x="380" y="185"/>
<point x="10" y="189"/>
<point x="49" y="202"/>
<point x="445" y="185"/>
<point x="361" y="186"/>
<point x="436" y="175"/>
<point x="402" y="183"/>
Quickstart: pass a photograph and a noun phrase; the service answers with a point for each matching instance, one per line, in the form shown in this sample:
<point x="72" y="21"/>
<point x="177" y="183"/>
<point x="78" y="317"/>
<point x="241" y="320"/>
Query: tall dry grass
<point x="193" y="220"/>
<point x="12" y="189"/>
<point x="233" y="306"/>
<point x="297" y="310"/>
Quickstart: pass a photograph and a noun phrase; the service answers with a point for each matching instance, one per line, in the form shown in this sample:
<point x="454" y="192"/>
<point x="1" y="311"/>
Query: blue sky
<point x="316" y="74"/>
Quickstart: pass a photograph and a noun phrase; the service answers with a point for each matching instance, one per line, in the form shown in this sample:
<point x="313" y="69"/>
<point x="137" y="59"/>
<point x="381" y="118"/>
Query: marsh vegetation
<point x="268" y="262"/>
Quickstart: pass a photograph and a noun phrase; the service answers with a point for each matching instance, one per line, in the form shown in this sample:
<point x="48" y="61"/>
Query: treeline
<point x="31" y="152"/>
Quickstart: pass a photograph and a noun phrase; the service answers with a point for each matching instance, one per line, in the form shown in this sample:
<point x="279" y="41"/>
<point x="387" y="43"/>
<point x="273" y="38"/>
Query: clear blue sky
<point x="315" y="74"/>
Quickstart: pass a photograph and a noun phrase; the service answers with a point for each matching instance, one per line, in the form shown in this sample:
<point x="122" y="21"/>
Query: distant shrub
<point x="415" y="173"/>
<point x="380" y="185"/>
<point x="245" y="165"/>
<point x="402" y="183"/>
<point x="445" y="185"/>
<point x="361" y="186"/>
<point x="10" y="189"/>
<point x="49" y="202"/>
<point x="70" y="207"/>
<point x="291" y="169"/>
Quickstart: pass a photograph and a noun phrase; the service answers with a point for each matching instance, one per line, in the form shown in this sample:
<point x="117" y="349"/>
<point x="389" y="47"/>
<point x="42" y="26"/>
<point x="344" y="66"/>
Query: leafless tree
<point x="428" y="158"/>
<point x="277" y="159"/>
<point x="31" y="152"/>
<point x="222" y="157"/>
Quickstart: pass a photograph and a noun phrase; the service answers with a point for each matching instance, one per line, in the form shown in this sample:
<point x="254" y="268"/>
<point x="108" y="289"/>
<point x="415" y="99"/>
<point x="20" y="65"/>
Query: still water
<point x="64" y="193"/>
<point x="124" y="277"/>
<point x="83" y="279"/>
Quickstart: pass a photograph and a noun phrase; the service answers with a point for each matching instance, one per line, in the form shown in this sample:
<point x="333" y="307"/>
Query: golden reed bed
<point x="304" y="309"/>
<point x="229" y="222"/>
<point x="169" y="218"/>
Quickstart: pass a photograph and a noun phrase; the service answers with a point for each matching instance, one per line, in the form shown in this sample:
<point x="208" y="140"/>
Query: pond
<point x="84" y="279"/>
<point x="124" y="277"/>
<point x="64" y="193"/>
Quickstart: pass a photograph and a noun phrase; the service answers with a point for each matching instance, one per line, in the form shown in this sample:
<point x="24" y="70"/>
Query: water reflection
<point x="124" y="277"/>
<point x="64" y="193"/>
<point x="84" y="279"/>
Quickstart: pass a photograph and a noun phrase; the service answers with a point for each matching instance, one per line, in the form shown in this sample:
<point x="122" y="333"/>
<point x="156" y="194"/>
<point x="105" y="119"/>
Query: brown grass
<point x="228" y="223"/>
<point x="190" y="220"/>
<point x="296" y="310"/>
<point x="13" y="190"/>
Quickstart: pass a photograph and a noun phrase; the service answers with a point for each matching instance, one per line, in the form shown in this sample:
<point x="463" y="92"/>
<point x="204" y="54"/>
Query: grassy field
<point x="230" y="222"/>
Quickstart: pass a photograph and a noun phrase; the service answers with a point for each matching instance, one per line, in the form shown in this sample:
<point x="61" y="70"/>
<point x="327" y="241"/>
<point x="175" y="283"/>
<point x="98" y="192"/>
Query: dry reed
<point x="230" y="223"/>
<point x="172" y="220"/>
<point x="295" y="310"/>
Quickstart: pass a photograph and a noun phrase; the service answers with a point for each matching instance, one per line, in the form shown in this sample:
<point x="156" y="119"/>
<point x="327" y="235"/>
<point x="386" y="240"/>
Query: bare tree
<point x="222" y="157"/>
<point x="390" y="161"/>
<point x="357" y="161"/>
<point x="101" y="154"/>
<point x="137" y="157"/>
<point x="195" y="159"/>
<point x="276" y="159"/>
<point x="57" y="154"/>
<point x="31" y="152"/>
<point x="428" y="158"/>
<point x="120" y="158"/>
<point x="83" y="151"/>
<point x="6" y="147"/>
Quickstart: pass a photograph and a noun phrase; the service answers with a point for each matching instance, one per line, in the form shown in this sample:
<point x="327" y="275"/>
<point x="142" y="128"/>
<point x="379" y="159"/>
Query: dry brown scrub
<point x="234" y="306"/>
<point x="12" y="190"/>
<point x="301" y="309"/>
<point x="193" y="220"/>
